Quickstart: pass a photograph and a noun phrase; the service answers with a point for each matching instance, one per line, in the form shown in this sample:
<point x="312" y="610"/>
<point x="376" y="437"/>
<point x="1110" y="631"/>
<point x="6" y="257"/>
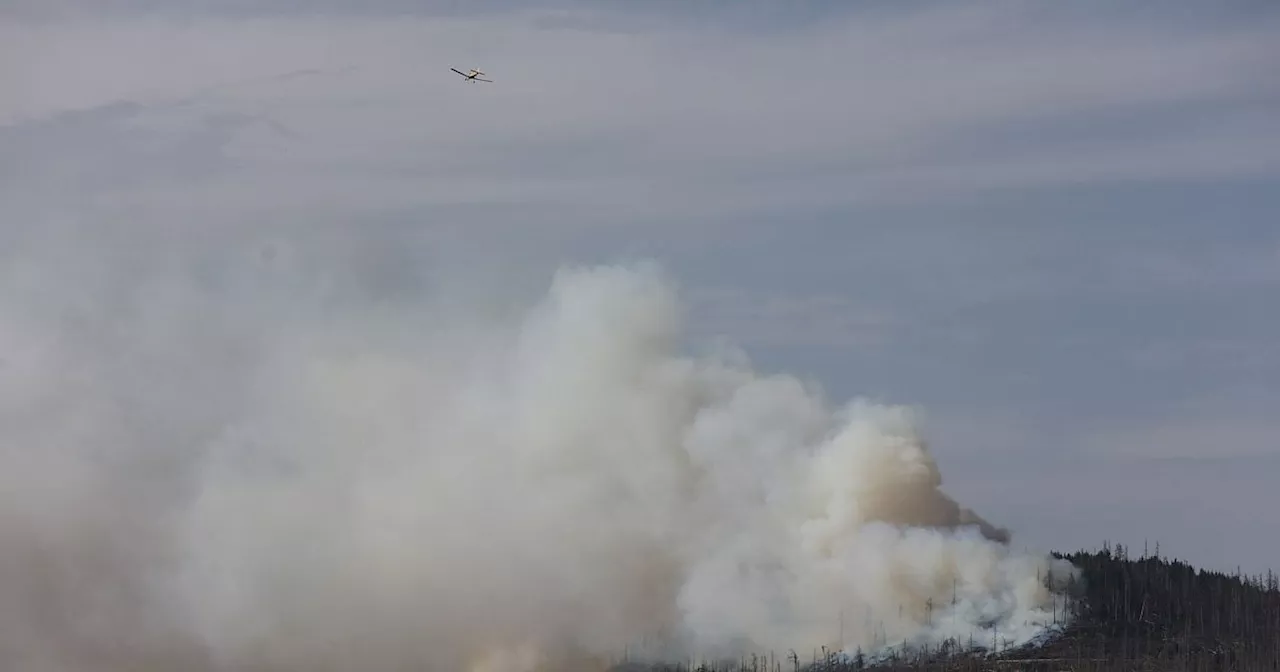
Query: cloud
<point x="1242" y="355"/>
<point x="830" y="321"/>
<point x="1207" y="439"/>
<point x="1232" y="426"/>
<point x="667" y="121"/>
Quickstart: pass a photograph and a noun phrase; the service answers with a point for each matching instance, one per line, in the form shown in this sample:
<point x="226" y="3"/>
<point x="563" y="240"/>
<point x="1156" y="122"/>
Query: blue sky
<point x="1057" y="230"/>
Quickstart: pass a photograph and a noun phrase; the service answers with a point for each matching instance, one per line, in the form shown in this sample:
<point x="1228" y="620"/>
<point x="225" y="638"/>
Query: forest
<point x="1127" y="613"/>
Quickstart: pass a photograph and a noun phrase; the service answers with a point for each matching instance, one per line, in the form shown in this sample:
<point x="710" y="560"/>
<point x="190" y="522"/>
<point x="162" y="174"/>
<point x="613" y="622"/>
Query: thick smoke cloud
<point x="306" y="457"/>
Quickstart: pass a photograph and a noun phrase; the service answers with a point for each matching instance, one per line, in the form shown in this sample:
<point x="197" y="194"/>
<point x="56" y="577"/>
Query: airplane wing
<point x="459" y="72"/>
<point x="478" y="79"/>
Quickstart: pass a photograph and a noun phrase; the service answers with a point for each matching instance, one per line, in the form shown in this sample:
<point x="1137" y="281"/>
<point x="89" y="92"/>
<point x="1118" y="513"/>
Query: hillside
<point x="1145" y="613"/>
<point x="1168" y="615"/>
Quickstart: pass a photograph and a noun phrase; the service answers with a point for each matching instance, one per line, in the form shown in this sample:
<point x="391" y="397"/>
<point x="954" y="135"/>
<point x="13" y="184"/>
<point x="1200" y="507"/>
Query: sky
<point x="1054" y="229"/>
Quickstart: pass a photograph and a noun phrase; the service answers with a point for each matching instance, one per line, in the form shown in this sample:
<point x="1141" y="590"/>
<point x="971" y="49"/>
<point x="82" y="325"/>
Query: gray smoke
<point x="312" y="457"/>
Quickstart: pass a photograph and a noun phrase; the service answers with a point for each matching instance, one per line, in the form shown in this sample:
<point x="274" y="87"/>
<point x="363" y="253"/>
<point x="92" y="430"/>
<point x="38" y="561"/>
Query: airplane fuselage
<point x="472" y="75"/>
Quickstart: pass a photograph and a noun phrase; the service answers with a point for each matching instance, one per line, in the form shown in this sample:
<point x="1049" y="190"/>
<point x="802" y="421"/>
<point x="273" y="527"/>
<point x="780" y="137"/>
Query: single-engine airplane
<point x="472" y="76"/>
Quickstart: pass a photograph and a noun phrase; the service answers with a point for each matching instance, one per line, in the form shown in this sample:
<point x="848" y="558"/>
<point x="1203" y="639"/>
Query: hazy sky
<point x="1055" y="229"/>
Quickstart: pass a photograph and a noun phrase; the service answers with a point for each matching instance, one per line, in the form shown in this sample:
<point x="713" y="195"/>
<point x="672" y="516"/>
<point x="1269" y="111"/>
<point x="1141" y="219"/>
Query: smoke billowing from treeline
<point x="236" y="457"/>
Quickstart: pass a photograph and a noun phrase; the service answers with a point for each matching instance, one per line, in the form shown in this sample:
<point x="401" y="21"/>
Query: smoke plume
<point x="270" y="459"/>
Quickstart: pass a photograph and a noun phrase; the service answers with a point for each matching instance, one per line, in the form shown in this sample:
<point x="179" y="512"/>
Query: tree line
<point x="1126" y="613"/>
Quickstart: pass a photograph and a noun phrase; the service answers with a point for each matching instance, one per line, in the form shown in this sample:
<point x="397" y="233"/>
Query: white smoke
<point x="222" y="463"/>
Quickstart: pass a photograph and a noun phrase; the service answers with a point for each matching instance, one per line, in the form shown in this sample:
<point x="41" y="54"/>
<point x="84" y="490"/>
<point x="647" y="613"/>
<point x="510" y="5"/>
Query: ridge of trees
<point x="1126" y="613"/>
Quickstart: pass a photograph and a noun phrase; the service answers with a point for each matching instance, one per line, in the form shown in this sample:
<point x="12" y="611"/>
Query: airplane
<point x="472" y="76"/>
